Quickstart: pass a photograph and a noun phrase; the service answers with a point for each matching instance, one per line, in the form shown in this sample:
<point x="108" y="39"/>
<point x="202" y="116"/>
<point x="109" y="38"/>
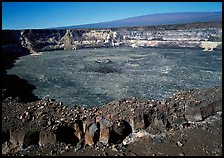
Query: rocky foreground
<point x="187" y="123"/>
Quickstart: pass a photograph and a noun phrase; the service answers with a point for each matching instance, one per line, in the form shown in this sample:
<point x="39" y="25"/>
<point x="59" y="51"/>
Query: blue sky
<point x="30" y="15"/>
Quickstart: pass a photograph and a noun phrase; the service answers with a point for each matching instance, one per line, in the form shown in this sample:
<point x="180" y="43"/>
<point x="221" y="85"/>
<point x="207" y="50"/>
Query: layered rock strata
<point x="207" y="36"/>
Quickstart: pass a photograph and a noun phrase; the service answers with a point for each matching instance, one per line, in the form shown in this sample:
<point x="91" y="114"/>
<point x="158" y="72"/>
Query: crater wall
<point x="207" y="36"/>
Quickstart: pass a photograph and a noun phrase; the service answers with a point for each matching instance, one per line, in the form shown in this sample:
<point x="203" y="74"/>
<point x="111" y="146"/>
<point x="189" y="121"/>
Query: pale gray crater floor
<point x="93" y="77"/>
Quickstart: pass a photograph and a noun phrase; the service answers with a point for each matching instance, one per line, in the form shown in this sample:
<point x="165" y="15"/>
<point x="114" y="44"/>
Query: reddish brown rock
<point x="91" y="134"/>
<point x="104" y="135"/>
<point x="77" y="126"/>
<point x="105" y="130"/>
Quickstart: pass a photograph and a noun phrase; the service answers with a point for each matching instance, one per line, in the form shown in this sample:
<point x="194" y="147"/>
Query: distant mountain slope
<point x="156" y="19"/>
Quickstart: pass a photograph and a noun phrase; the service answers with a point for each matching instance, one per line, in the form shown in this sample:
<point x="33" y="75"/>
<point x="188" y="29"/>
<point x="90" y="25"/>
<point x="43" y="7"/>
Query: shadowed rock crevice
<point x="66" y="134"/>
<point x="97" y="135"/>
<point x="31" y="138"/>
<point x="121" y="129"/>
<point x="5" y="135"/>
<point x="17" y="87"/>
<point x="13" y="85"/>
<point x="147" y="120"/>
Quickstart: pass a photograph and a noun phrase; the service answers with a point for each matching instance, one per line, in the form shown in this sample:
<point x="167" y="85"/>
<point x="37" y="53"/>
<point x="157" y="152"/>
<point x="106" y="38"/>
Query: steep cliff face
<point x="203" y="35"/>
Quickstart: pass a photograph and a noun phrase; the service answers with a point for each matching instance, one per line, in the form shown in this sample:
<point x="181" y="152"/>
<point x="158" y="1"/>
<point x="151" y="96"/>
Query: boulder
<point x="91" y="134"/>
<point x="5" y="148"/>
<point x="196" y="104"/>
<point x="77" y="126"/>
<point x="17" y="139"/>
<point x="104" y="135"/>
<point x="105" y="130"/>
<point x="47" y="138"/>
<point x="137" y="122"/>
<point x="160" y="120"/>
<point x="200" y="111"/>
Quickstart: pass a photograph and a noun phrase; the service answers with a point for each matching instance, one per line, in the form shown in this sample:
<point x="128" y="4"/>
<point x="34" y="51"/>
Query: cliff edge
<point x="207" y="36"/>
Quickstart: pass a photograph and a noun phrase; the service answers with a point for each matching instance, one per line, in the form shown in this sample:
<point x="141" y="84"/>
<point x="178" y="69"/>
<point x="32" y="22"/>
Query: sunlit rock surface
<point x="207" y="36"/>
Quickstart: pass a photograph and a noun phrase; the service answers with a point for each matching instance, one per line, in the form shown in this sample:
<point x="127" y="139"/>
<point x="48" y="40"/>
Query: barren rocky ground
<point x="188" y="123"/>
